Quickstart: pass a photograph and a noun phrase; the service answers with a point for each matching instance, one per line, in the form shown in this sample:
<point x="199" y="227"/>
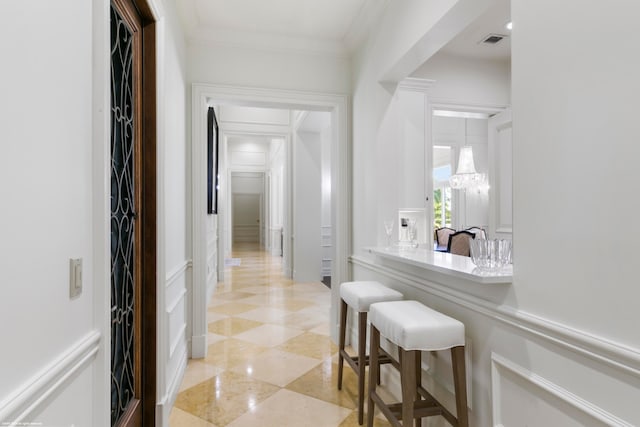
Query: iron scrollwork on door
<point x="123" y="218"/>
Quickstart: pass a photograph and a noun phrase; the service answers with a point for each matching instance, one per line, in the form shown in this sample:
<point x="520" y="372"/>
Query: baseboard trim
<point x="198" y="346"/>
<point x="163" y="408"/>
<point x="616" y="355"/>
<point x="50" y="380"/>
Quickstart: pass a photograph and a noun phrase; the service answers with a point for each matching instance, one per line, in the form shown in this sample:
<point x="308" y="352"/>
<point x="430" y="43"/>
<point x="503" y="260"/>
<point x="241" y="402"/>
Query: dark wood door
<point x="133" y="231"/>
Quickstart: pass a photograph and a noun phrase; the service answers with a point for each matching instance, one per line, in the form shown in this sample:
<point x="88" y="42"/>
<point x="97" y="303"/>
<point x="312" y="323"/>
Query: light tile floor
<point x="270" y="360"/>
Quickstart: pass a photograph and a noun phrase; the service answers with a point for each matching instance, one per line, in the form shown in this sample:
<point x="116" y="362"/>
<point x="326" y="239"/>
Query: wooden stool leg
<point x="418" y="421"/>
<point x="408" y="382"/>
<point x="343" y="328"/>
<point x="460" y="383"/>
<point x="374" y="371"/>
<point x="362" y="362"/>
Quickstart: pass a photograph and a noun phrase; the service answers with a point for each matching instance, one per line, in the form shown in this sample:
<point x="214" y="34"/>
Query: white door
<point x="246" y="218"/>
<point x="501" y="176"/>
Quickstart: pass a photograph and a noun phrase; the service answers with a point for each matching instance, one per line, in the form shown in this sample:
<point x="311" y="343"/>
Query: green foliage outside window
<point x="442" y="217"/>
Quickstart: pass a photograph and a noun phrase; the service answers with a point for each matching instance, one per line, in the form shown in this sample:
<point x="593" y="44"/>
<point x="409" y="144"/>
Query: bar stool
<point x="359" y="296"/>
<point x="414" y="327"/>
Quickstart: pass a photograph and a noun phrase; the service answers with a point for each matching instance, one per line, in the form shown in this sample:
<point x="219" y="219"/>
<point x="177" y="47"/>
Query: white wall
<point x="559" y="345"/>
<point x="307" y="206"/>
<point x="584" y="135"/>
<point x="467" y="81"/>
<point x="234" y="65"/>
<point x="57" y="77"/>
<point x="45" y="168"/>
<point x="174" y="289"/>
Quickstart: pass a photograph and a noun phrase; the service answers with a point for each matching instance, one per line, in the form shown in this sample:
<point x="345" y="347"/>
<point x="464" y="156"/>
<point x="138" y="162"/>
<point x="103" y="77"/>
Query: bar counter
<point x="443" y="263"/>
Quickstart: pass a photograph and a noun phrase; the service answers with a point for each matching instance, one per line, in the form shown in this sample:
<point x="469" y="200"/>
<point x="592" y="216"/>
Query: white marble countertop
<point x="443" y="262"/>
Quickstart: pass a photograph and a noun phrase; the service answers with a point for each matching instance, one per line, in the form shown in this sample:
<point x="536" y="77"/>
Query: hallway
<point x="270" y="360"/>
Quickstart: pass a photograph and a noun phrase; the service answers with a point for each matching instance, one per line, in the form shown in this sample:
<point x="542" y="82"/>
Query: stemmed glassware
<point x="388" y="230"/>
<point x="412" y="232"/>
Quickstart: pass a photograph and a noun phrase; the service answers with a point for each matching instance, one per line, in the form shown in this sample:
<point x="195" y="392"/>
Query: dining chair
<point x="480" y="233"/>
<point x="442" y="235"/>
<point x="459" y="243"/>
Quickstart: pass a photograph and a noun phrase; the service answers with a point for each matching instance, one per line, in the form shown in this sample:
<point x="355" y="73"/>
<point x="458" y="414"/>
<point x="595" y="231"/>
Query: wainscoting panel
<point x="519" y="394"/>
<point x="50" y="382"/>
<point x="175" y="352"/>
<point x="327" y="249"/>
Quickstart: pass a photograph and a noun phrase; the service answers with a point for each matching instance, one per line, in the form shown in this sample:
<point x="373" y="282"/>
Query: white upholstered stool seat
<point x="359" y="295"/>
<point x="414" y="327"/>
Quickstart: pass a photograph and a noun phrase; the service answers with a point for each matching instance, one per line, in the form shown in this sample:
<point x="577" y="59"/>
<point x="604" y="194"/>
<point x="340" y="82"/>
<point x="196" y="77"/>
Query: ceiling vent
<point x="493" y="38"/>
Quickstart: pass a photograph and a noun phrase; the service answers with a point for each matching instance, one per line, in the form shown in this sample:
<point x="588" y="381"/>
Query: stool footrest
<point x="422" y="408"/>
<point x="443" y="411"/>
<point x="353" y="361"/>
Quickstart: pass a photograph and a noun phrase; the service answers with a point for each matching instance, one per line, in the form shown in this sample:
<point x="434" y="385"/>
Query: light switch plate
<point x="75" y="277"/>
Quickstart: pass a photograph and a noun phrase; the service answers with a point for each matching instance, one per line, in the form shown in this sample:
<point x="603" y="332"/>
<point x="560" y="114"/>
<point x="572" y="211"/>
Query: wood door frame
<point x="146" y="175"/>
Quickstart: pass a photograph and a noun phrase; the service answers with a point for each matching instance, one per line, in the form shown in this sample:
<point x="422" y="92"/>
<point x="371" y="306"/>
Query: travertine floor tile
<point x="269" y="335"/>
<point x="270" y="360"/>
<point x="230" y="352"/>
<point x="286" y="408"/>
<point x="265" y="314"/>
<point x="233" y="295"/>
<point x="197" y="372"/>
<point x="232" y="326"/>
<point x="311" y="345"/>
<point x="303" y="320"/>
<point x="232" y="308"/>
<point x="321" y="382"/>
<point x="180" y="418"/>
<point x="224" y="397"/>
<point x="276" y="367"/>
<point x="352" y="420"/>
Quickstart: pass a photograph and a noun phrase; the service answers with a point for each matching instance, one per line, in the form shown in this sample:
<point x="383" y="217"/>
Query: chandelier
<point x="466" y="176"/>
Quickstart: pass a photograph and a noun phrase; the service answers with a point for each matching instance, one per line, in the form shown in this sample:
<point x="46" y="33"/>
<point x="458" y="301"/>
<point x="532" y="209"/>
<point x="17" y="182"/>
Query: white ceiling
<point x="467" y="43"/>
<point x="331" y="26"/>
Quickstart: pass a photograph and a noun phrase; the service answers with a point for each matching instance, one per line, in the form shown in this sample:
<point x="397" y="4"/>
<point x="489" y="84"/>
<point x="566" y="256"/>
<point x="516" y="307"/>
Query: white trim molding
<point x="177" y="272"/>
<point x="49" y="381"/>
<point x="338" y="104"/>
<point x="501" y="367"/>
<point x="616" y="355"/>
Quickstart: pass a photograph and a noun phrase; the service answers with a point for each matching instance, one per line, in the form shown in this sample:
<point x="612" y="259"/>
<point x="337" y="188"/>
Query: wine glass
<point x="388" y="230"/>
<point x="412" y="232"/>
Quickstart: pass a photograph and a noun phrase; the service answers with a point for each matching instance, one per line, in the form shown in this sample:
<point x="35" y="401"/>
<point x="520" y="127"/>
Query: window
<point x="442" y="166"/>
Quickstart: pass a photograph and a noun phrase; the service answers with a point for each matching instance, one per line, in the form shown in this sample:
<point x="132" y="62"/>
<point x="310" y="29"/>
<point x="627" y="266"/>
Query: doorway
<point x="337" y="105"/>
<point x="133" y="214"/>
<point x="246" y="210"/>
